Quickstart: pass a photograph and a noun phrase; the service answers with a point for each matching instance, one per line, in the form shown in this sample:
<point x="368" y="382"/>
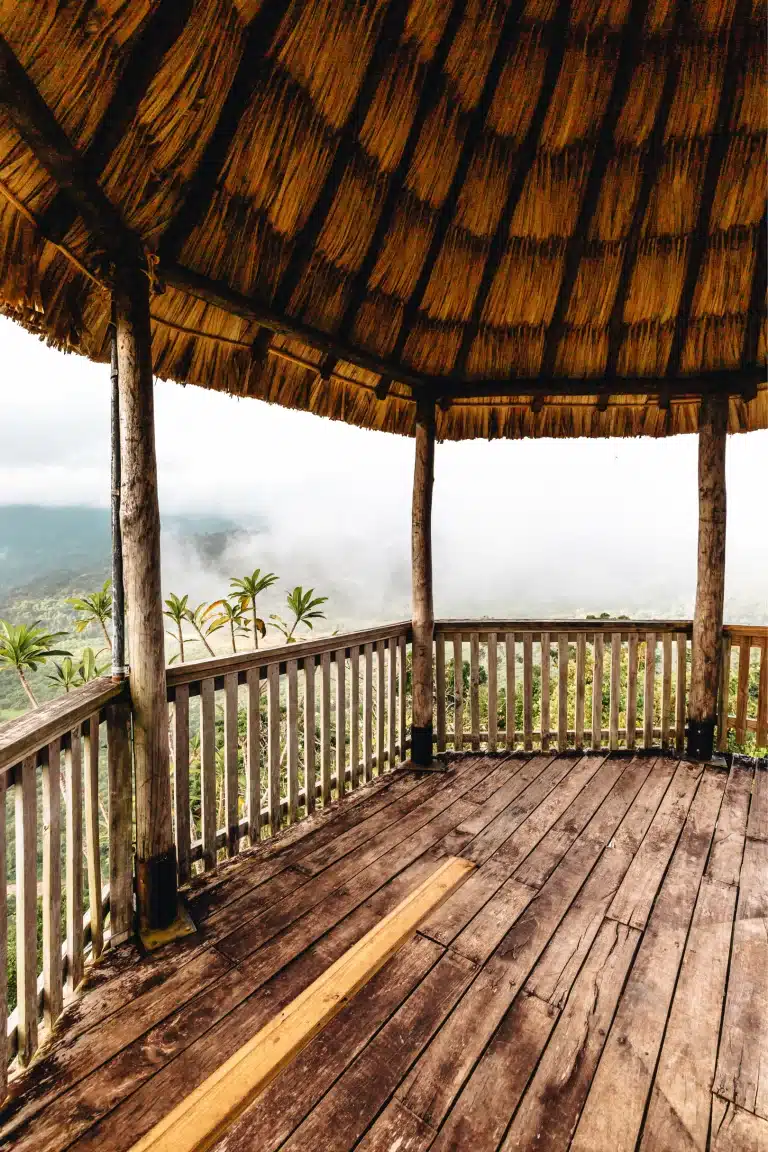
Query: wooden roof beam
<point x="38" y="128"/>
<point x="731" y="383"/>
<point x="476" y="120"/>
<point x="718" y="150"/>
<point x="649" y="169"/>
<point x="626" y="62"/>
<point x="154" y="38"/>
<point x="254" y="63"/>
<point x="432" y="88"/>
<point x="523" y="164"/>
<point x="751" y="342"/>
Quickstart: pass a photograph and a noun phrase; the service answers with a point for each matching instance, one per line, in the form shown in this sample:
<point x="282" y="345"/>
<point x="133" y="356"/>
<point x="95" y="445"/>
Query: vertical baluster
<point x="631" y="730"/>
<point x="615" y="697"/>
<point x="666" y="688"/>
<point x="725" y="695"/>
<point x="208" y="771"/>
<point x="762" y="697"/>
<point x="292" y="736"/>
<point x="474" y="689"/>
<point x="562" y="692"/>
<point x="52" y="973"/>
<point x="253" y="754"/>
<point x="392" y="701"/>
<point x="528" y="691"/>
<point x="341" y="723"/>
<point x="3" y="947"/>
<point x="92" y="845"/>
<point x="440" y="689"/>
<point x="509" y="660"/>
<point x="230" y="763"/>
<point x="493" y="703"/>
<point x="403" y="677"/>
<point x="26" y="907"/>
<point x="380" y="708"/>
<point x="742" y="691"/>
<point x="325" y="728"/>
<point x="367" y="712"/>
<point x="650" y="680"/>
<point x="354" y="716"/>
<point x="74" y="851"/>
<point x="545" y="663"/>
<point x="181" y="779"/>
<point x="680" y="709"/>
<point x="273" y="748"/>
<point x="581" y="685"/>
<point x="310" y="784"/>
<point x="120" y="772"/>
<point x="458" y="694"/>
<point x="598" y="652"/>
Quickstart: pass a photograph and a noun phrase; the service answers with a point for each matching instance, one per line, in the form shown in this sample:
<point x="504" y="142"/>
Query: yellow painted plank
<point x="204" y="1116"/>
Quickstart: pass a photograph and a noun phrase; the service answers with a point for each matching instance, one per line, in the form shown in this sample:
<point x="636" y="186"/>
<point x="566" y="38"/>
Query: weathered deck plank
<point x="523" y="1008"/>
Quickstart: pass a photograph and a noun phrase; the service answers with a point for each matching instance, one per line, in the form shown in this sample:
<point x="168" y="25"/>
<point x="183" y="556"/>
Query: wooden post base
<point x="422" y="742"/>
<point x="156" y="891"/>
<point x="181" y="925"/>
<point x="701" y="739"/>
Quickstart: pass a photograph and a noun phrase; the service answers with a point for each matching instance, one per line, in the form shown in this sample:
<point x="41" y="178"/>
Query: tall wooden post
<point x="423" y="616"/>
<point x="140" y="530"/>
<point x="710" y="580"/>
<point x="118" y="593"/>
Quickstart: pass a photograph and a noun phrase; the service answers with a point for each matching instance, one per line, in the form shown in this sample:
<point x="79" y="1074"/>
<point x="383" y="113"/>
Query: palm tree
<point x="221" y="614"/>
<point x="177" y="611"/>
<point x="96" y="608"/>
<point x="88" y="668"/>
<point x="66" y="674"/>
<point x="197" y="618"/>
<point x="246" y="589"/>
<point x="305" y="609"/>
<point x="24" y="646"/>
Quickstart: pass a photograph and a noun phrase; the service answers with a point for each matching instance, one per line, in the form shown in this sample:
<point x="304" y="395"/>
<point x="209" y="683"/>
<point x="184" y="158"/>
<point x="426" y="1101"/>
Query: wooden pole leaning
<point x="118" y="587"/>
<point x="710" y="579"/>
<point x="423" y="615"/>
<point x="140" y="531"/>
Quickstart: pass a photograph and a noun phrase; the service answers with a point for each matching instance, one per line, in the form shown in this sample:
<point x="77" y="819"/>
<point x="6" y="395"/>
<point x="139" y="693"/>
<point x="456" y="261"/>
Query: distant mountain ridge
<point x="46" y="550"/>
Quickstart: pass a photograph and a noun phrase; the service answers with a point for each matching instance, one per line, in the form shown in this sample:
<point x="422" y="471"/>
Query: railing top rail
<point x="758" y="632"/>
<point x="191" y="673"/>
<point x="34" y="730"/>
<point x="555" y="626"/>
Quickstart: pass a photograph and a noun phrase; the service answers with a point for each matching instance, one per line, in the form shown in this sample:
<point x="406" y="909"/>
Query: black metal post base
<point x="701" y="739"/>
<point x="421" y="745"/>
<point x="156" y="894"/>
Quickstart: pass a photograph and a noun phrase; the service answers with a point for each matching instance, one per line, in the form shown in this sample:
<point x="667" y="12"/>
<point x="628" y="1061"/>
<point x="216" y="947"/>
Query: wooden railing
<point x="275" y="732"/>
<point x="744" y="689"/>
<point x="531" y="684"/>
<point x="50" y="765"/>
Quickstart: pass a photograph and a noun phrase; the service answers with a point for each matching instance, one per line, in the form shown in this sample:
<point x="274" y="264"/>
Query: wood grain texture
<point x="208" y="771"/>
<point x="340" y="726"/>
<point x="25" y="812"/>
<point x="53" y="996"/>
<point x="273" y="749"/>
<point x="231" y="805"/>
<point x="422" y="608"/>
<point x="253" y="754"/>
<point x="120" y="782"/>
<point x="73" y="773"/>
<point x="92" y="835"/>
<point x="181" y="781"/>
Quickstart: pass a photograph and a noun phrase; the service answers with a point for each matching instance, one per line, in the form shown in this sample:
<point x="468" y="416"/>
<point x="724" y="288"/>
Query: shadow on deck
<point x="598" y="982"/>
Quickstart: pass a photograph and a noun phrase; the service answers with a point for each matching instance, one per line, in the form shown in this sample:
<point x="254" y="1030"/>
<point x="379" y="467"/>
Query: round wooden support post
<point x="421" y="567"/>
<point x="140" y="531"/>
<point x="710" y="579"/>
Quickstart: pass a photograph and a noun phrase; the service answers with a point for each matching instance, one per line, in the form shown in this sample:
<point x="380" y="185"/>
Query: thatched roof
<point x="523" y="209"/>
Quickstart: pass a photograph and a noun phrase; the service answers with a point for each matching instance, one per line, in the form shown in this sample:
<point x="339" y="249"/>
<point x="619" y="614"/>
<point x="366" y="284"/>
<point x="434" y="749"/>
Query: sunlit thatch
<point x="474" y="191"/>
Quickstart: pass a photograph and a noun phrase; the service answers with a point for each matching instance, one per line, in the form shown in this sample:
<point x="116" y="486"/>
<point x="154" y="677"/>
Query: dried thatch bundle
<point x="346" y="202"/>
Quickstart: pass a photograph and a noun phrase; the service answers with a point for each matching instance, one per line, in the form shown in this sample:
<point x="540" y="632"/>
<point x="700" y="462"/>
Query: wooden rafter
<point x="757" y="297"/>
<point x="148" y="46"/>
<point x="388" y="39"/>
<point x="626" y="62"/>
<point x="523" y="163"/>
<point x="254" y="63"/>
<point x="37" y="126"/>
<point x="718" y="150"/>
<point x="649" y="167"/>
<point x="731" y="383"/>
<point x="432" y="88"/>
<point x="475" y="121"/>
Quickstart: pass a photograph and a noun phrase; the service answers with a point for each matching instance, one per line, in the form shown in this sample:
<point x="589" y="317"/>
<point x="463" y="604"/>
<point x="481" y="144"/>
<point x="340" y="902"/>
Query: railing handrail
<point x="242" y="662"/>
<point x="30" y="733"/>
<point x="615" y="624"/>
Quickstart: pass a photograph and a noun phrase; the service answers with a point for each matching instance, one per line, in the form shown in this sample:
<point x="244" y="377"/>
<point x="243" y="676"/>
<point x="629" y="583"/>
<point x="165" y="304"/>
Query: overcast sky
<point x="520" y="527"/>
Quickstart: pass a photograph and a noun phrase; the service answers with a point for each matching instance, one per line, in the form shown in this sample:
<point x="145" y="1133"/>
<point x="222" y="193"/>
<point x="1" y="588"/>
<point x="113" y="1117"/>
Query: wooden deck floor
<point x="599" y="983"/>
